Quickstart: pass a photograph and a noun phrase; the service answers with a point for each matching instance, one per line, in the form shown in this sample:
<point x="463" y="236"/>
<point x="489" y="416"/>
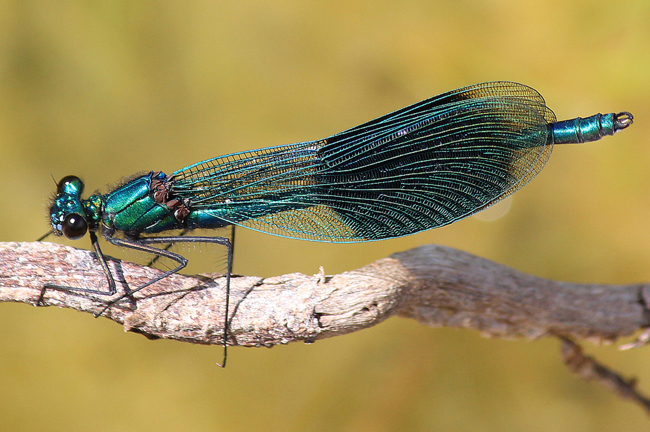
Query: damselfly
<point x="421" y="167"/>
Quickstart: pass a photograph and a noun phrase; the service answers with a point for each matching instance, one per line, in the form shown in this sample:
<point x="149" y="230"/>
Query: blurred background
<point x="103" y="90"/>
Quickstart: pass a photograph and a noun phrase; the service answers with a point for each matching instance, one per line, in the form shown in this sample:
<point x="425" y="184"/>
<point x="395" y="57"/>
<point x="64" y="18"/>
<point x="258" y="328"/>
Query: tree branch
<point x="435" y="285"/>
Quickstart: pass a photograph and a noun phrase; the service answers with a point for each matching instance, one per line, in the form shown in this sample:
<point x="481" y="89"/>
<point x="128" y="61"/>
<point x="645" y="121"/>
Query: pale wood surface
<point x="435" y="285"/>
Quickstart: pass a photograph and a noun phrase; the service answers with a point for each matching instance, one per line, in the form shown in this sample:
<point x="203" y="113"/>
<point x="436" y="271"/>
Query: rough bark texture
<point x="435" y="285"/>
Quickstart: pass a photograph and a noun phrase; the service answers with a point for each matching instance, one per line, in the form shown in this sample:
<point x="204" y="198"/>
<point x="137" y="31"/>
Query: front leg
<point x="102" y="261"/>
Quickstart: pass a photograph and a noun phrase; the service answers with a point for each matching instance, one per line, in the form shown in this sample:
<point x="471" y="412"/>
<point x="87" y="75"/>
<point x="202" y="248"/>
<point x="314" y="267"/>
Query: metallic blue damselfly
<point x="421" y="167"/>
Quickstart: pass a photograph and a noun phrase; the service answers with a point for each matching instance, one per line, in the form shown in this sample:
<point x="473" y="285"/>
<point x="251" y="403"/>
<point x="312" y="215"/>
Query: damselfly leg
<point x="144" y="245"/>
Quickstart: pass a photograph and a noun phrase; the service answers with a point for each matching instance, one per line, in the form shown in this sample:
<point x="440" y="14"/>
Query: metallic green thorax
<point x="130" y="208"/>
<point x="141" y="206"/>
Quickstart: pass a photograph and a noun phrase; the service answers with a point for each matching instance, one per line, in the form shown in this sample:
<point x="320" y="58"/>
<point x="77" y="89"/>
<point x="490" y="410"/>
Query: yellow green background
<point x="106" y="89"/>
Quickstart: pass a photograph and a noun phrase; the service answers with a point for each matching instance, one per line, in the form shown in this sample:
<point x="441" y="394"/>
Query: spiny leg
<point x="166" y="248"/>
<point x="169" y="245"/>
<point x="142" y="245"/>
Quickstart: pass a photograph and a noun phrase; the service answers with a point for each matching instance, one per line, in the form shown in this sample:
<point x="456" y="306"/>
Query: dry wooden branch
<point x="588" y="368"/>
<point x="436" y="285"/>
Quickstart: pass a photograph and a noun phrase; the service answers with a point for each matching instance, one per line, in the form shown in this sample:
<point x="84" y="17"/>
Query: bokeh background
<point x="106" y="89"/>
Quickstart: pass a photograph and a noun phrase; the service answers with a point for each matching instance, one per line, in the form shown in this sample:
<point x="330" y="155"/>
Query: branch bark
<point x="435" y="285"/>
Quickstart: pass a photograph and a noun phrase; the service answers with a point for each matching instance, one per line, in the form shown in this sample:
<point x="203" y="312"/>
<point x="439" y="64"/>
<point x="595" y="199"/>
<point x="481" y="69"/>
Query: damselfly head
<point x="67" y="211"/>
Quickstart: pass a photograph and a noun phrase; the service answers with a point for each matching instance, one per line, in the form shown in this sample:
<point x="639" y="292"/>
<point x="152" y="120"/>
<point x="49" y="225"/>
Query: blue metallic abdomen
<point x="579" y="130"/>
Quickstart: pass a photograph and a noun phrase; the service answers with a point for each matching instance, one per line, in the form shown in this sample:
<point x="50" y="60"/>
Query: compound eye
<point x="74" y="226"/>
<point x="65" y="181"/>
